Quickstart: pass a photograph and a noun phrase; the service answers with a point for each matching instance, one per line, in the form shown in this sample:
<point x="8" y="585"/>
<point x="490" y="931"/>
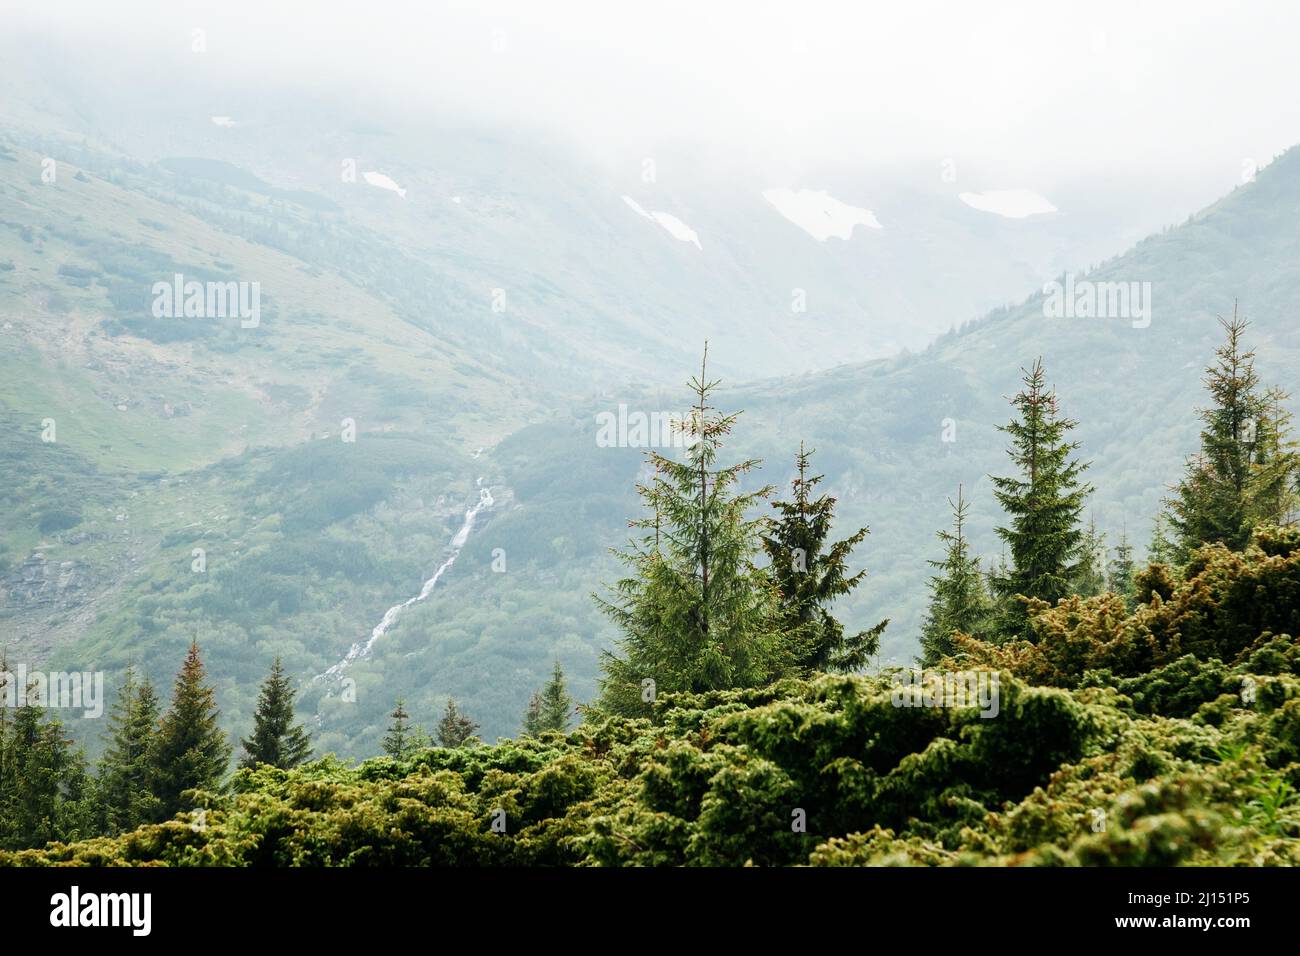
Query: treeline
<point x="719" y="597"/>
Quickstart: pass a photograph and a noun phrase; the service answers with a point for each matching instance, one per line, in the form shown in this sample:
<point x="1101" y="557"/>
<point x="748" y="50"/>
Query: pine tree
<point x="124" y="770"/>
<point x="277" y="740"/>
<point x="457" y="730"/>
<point x="190" y="751"/>
<point x="550" y="708"/>
<point x="695" y="613"/>
<point x="400" y="742"/>
<point x="810" y="576"/>
<point x="1090" y="579"/>
<point x="958" y="598"/>
<point x="1120" y="573"/>
<point x="1245" y="470"/>
<point x="1044" y="503"/>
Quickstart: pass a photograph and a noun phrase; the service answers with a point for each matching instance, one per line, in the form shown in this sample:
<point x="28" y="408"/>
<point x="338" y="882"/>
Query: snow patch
<point x="383" y="182"/>
<point x="676" y="228"/>
<point x="224" y="121"/>
<point x="820" y="214"/>
<point x="1010" y="203"/>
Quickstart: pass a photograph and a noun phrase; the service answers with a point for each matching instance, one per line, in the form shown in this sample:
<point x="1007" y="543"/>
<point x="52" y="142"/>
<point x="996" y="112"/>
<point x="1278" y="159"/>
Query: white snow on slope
<point x="819" y="213"/>
<point x="676" y="228"/>
<point x="384" y="182"/>
<point x="1011" y="203"/>
<point x="225" y="121"/>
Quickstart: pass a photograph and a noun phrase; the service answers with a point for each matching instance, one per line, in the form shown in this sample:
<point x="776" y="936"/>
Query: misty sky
<point x="1041" y="91"/>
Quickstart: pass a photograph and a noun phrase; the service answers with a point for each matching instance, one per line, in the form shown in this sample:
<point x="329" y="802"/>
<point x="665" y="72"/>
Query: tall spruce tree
<point x="959" y="600"/>
<point x="190" y="752"/>
<point x="455" y="729"/>
<point x="1043" y="501"/>
<point x="44" y="794"/>
<point x="277" y="740"/>
<point x="810" y="575"/>
<point x="124" y="769"/>
<point x="1244" y="472"/>
<point x="1161" y="550"/>
<point x="695" y="612"/>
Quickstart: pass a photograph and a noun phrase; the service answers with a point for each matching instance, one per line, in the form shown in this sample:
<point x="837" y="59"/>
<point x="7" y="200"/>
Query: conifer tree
<point x="400" y="741"/>
<point x="1120" y="573"/>
<point x="958" y="598"/>
<point x="1161" y="550"/>
<point x="550" y="708"/>
<point x="695" y="612"/>
<point x="1043" y="501"/>
<point x="810" y="575"/>
<point x="190" y="752"/>
<point x="1090" y="579"/>
<point x="277" y="740"/>
<point x="455" y="729"/>
<point x="45" y="794"/>
<point x="1245" y="470"/>
<point x="124" y="769"/>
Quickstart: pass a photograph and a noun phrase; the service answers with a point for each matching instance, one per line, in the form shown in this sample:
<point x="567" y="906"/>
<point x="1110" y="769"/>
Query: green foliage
<point x="810" y="576"/>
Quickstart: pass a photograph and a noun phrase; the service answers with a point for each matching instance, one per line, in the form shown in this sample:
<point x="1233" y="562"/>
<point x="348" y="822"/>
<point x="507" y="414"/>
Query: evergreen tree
<point x="455" y="729"/>
<point x="1245" y="471"/>
<point x="1120" y="574"/>
<point x="1161" y="550"/>
<point x="401" y="740"/>
<point x="696" y="613"/>
<point x="124" y="769"/>
<point x="810" y="576"/>
<point x="190" y="752"/>
<point x="44" y="794"/>
<point x="549" y="709"/>
<point x="1090" y="579"/>
<point x="276" y="739"/>
<point x="958" y="598"/>
<point x="1044" y="502"/>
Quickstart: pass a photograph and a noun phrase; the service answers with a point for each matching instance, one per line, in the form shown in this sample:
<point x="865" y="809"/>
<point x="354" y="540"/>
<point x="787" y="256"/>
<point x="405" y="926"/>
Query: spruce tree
<point x="1120" y="573"/>
<point x="124" y="769"/>
<point x="1161" y="550"/>
<point x="695" y="612"/>
<point x="400" y="742"/>
<point x="190" y="752"/>
<point x="455" y="729"/>
<point x="277" y="740"/>
<point x="958" y="598"/>
<point x="1090" y="579"/>
<point x="1043" y="501"/>
<point x="1245" y="471"/>
<point x="810" y="575"/>
<point x="550" y="708"/>
<point x="45" y="796"/>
